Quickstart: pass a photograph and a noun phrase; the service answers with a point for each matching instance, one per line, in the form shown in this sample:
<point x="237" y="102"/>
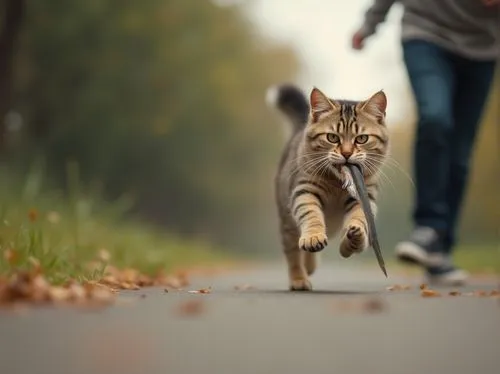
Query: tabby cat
<point x="311" y="186"/>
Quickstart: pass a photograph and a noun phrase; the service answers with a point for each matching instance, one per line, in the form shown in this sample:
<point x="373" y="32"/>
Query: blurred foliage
<point x="160" y="99"/>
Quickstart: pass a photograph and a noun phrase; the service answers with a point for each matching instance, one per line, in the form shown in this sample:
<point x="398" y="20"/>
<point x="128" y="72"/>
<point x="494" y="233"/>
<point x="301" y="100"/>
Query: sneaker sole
<point x="455" y="279"/>
<point x="410" y="253"/>
<point x="449" y="281"/>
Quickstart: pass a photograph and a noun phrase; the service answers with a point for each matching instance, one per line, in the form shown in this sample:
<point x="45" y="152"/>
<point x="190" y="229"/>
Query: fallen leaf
<point x="33" y="215"/>
<point x="39" y="289"/>
<point x="495" y="293"/>
<point x="398" y="287"/>
<point x="59" y="294"/>
<point x="77" y="292"/>
<point x="374" y="305"/>
<point x="202" y="290"/>
<point x="429" y="293"/>
<point x="191" y="308"/>
<point x="454" y="293"/>
<point x="423" y="286"/>
<point x="35" y="263"/>
<point x="129" y="286"/>
<point x="11" y="256"/>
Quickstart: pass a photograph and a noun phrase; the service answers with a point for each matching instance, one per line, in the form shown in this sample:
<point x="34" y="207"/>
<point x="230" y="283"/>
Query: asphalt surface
<point x="350" y="324"/>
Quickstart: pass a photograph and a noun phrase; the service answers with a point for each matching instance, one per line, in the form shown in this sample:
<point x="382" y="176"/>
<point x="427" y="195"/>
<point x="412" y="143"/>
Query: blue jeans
<point x="450" y="93"/>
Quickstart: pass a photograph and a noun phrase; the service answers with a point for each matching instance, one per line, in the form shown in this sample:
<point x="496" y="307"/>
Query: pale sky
<point x="320" y="31"/>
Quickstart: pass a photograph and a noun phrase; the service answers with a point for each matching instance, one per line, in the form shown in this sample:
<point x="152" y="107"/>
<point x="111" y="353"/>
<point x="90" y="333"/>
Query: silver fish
<point x="362" y="196"/>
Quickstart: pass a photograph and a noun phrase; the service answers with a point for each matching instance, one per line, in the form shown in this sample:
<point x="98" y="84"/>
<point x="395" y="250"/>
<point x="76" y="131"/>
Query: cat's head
<point x="341" y="132"/>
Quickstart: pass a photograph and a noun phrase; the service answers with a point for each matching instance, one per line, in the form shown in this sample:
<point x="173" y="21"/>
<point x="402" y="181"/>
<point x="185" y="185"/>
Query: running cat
<point x="311" y="187"/>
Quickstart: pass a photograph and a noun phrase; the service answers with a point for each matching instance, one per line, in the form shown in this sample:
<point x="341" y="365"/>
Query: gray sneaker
<point x="423" y="247"/>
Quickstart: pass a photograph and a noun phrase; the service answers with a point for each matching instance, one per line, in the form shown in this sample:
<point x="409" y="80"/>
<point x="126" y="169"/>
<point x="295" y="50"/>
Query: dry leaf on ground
<point x="367" y="305"/>
<point x="33" y="215"/>
<point x="374" y="305"/>
<point x="480" y="293"/>
<point x="33" y="287"/>
<point x="11" y="256"/>
<point x="429" y="293"/>
<point x="202" y="290"/>
<point x="398" y="287"/>
<point x="191" y="308"/>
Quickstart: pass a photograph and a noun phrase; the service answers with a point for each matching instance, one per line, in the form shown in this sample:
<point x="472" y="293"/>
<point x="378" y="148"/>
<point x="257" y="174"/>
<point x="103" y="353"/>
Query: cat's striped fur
<point x="310" y="186"/>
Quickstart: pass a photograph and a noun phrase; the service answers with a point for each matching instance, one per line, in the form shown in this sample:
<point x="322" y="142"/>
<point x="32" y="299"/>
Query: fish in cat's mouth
<point x="343" y="174"/>
<point x="339" y="167"/>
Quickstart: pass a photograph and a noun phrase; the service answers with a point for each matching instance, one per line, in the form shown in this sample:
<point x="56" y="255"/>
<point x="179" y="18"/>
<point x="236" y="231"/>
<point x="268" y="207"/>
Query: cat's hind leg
<point x="311" y="261"/>
<point x="296" y="260"/>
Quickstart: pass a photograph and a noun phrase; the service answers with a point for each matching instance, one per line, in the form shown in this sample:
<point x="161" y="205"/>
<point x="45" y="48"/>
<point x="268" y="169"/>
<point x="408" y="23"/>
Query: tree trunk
<point x="10" y="27"/>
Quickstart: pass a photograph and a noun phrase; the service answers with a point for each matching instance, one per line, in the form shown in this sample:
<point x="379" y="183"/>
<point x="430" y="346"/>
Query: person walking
<point x="450" y="49"/>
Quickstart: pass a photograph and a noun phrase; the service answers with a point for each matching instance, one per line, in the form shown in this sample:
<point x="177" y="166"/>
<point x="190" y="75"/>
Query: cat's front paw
<point x="313" y="242"/>
<point x="355" y="240"/>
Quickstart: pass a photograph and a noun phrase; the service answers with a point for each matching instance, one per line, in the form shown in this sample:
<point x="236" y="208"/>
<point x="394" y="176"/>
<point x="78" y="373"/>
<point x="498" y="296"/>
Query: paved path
<point x="350" y="325"/>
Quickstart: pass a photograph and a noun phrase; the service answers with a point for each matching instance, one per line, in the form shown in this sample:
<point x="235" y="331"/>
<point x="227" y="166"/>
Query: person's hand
<point x="358" y="40"/>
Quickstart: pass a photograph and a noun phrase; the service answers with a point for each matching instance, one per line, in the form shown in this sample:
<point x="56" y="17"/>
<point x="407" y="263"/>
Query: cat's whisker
<point x="308" y="155"/>
<point x="319" y="165"/>
<point x="375" y="169"/>
<point x="325" y="169"/>
<point x="321" y="168"/>
<point x="389" y="162"/>
<point x="305" y="165"/>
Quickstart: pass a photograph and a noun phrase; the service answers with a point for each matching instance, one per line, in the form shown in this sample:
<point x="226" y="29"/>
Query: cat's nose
<point x="346" y="153"/>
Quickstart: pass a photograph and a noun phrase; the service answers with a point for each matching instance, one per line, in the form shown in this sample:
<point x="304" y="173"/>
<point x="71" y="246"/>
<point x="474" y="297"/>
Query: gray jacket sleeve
<point x="374" y="15"/>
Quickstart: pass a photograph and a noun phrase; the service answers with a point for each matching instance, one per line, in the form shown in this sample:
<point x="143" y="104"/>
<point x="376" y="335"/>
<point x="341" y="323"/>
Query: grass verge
<point x="65" y="233"/>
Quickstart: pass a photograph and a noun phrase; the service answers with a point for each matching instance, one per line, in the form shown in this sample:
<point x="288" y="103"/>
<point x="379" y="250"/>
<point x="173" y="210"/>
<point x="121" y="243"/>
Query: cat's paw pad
<point x="355" y="240"/>
<point x="301" y="284"/>
<point x="313" y="243"/>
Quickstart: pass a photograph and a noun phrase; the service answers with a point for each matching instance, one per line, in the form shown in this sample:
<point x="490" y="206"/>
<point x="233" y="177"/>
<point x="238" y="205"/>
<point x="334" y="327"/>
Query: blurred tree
<point x="482" y="213"/>
<point x="11" y="13"/>
<point x="160" y="98"/>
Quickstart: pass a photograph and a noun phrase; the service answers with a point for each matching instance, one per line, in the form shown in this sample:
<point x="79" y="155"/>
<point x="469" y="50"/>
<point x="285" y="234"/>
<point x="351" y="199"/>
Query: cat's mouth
<point x="339" y="167"/>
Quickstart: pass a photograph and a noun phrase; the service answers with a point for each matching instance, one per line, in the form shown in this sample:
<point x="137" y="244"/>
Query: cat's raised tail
<point x="291" y="102"/>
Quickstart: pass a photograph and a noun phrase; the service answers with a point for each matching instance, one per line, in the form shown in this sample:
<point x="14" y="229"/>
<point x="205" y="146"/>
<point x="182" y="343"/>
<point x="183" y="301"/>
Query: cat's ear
<point x="320" y="104"/>
<point x="376" y="105"/>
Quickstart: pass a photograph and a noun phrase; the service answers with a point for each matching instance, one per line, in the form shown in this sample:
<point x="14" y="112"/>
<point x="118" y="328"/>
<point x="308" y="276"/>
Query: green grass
<point x="65" y="233"/>
<point x="479" y="258"/>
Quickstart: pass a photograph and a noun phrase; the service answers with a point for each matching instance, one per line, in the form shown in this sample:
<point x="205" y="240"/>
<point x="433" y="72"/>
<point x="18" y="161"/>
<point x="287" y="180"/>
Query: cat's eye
<point x="332" y="138"/>
<point x="361" y="139"/>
